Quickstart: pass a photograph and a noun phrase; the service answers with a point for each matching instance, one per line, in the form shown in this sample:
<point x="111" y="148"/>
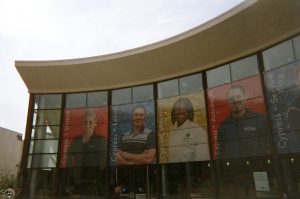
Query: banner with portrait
<point x="84" y="137"/>
<point x="132" y="134"/>
<point x="182" y="128"/>
<point x="283" y="94"/>
<point x="237" y="120"/>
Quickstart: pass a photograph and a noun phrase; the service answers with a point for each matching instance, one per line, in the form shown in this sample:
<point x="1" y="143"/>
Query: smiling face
<point x="236" y="99"/>
<point x="89" y="125"/>
<point x="138" y="118"/>
<point x="181" y="113"/>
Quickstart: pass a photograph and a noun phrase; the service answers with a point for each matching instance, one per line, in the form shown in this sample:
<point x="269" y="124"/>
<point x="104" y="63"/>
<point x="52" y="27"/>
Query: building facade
<point x="10" y="152"/>
<point x="211" y="113"/>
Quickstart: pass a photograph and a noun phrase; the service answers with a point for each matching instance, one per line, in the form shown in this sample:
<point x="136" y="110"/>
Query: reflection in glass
<point x="247" y="178"/>
<point x="218" y="76"/>
<point x="43" y="146"/>
<point x="86" y="158"/>
<point x="168" y="88"/>
<point x="44" y="161"/>
<point x="45" y="132"/>
<point x="41" y="183"/>
<point x="49" y="101"/>
<point x="75" y="100"/>
<point x="278" y="55"/>
<point x="291" y="175"/>
<point x="36" y="102"/>
<point x="191" y="83"/>
<point x="33" y="133"/>
<point x="187" y="180"/>
<point x="121" y="96"/>
<point x="96" y="99"/>
<point x="244" y="68"/>
<point x="29" y="160"/>
<point x="296" y="43"/>
<point x="83" y="182"/>
<point x="34" y="117"/>
<point x="31" y="146"/>
<point x="48" y="117"/>
<point x="140" y="181"/>
<point x="142" y="93"/>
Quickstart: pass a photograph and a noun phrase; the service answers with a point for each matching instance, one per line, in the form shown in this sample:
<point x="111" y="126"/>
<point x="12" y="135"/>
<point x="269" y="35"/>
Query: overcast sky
<point x="64" y="29"/>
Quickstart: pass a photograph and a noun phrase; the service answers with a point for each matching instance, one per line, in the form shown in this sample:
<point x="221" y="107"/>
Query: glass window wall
<point x="121" y="96"/>
<point x="296" y="44"/>
<point x="178" y="165"/>
<point x="191" y="83"/>
<point x="43" y="147"/>
<point x="218" y="76"/>
<point x="244" y="68"/>
<point x="289" y="165"/>
<point x="142" y="93"/>
<point x="168" y="88"/>
<point x="45" y="131"/>
<point x="50" y="101"/>
<point x="96" y="99"/>
<point x="187" y="180"/>
<point x="253" y="177"/>
<point x="279" y="55"/>
<point x="75" y="100"/>
<point x="40" y="183"/>
<point x="282" y="77"/>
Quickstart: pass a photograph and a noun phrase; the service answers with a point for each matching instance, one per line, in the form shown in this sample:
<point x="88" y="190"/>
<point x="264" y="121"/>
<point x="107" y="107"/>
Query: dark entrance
<point x="136" y="181"/>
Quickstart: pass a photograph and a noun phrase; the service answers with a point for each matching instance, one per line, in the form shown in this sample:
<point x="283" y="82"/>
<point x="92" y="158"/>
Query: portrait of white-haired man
<point x="85" y="157"/>
<point x="87" y="149"/>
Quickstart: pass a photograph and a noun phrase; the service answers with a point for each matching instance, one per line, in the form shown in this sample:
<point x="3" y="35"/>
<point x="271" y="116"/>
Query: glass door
<point x="136" y="181"/>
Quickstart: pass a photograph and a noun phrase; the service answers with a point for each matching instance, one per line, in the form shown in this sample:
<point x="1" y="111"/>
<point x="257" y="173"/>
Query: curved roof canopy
<point x="248" y="28"/>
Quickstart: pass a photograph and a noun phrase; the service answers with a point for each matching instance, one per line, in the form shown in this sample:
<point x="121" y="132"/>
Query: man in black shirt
<point x="86" y="158"/>
<point x="244" y="132"/>
<point x="138" y="145"/>
<point x="87" y="149"/>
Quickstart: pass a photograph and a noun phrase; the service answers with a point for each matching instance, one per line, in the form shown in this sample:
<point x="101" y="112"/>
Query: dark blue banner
<point x="283" y="93"/>
<point x="132" y="134"/>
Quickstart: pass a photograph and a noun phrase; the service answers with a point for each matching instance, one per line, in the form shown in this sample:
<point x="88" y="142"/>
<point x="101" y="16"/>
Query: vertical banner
<point x="237" y="121"/>
<point x="283" y="93"/>
<point x="182" y="128"/>
<point x="132" y="134"/>
<point x="84" y="128"/>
